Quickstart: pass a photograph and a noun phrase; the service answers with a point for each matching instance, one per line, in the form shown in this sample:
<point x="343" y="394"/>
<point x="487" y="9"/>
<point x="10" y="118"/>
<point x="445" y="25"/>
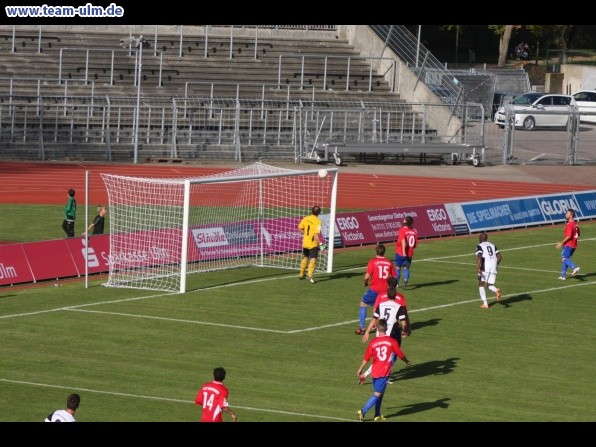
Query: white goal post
<point x="162" y="229"/>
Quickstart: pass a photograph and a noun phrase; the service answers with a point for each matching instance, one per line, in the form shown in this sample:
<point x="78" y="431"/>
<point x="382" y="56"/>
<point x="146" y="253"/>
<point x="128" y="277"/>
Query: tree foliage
<point x="492" y="41"/>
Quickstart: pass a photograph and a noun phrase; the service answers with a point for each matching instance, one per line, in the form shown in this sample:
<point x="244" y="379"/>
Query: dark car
<point x="500" y="99"/>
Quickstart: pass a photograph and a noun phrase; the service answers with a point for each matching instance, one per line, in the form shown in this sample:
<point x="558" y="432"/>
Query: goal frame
<point x="232" y="176"/>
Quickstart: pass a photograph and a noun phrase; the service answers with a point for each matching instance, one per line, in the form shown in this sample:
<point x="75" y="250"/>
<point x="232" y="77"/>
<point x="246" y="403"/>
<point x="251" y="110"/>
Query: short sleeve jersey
<point x="309" y="226"/>
<point x="380" y="268"/>
<point x="391" y="311"/>
<point x="572" y="231"/>
<point x="411" y="237"/>
<point x="379" y="350"/>
<point x="60" y="416"/>
<point x="488" y="251"/>
<point x="382" y="297"/>
<point x="213" y="397"/>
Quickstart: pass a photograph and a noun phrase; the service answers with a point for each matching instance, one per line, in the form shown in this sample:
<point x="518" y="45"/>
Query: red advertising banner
<point x="98" y="256"/>
<point x="62" y="258"/>
<point x="14" y="268"/>
<point x="50" y="259"/>
<point x="371" y="227"/>
<point x="46" y="260"/>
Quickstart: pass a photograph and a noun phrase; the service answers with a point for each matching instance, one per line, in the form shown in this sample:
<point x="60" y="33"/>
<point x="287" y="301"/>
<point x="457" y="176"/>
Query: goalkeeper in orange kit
<point x="312" y="243"/>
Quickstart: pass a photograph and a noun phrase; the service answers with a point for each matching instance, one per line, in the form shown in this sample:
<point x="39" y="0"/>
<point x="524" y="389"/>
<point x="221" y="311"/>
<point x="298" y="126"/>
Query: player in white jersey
<point x="488" y="258"/>
<point x="67" y="415"/>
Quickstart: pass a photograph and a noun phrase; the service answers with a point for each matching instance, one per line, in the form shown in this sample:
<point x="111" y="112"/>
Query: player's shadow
<point x="432" y="368"/>
<point x="581" y="277"/>
<point x="509" y="301"/>
<point x="429" y="284"/>
<point x="419" y="407"/>
<point x="420" y="324"/>
<point x="239" y="280"/>
<point x="342" y="275"/>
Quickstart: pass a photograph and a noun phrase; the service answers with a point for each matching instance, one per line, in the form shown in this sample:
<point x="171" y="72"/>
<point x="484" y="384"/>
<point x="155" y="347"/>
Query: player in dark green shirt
<point x="70" y="214"/>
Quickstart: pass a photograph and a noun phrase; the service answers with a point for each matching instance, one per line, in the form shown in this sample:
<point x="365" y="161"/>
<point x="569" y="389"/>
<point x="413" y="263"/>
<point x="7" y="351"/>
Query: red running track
<point x="48" y="183"/>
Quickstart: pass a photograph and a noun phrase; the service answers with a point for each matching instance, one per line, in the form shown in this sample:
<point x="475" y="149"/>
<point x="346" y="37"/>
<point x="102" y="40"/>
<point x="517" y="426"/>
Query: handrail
<point x="38" y="83"/>
<point x="112" y="52"/>
<point x="288" y="58"/>
<point x="206" y="34"/>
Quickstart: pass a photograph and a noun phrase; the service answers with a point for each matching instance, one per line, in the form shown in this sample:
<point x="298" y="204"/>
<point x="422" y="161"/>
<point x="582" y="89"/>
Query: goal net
<point x="162" y="229"/>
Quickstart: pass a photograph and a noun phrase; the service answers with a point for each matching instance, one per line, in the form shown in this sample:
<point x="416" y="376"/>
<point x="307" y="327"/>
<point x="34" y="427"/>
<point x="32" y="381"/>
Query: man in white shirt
<point x="487" y="260"/>
<point x="72" y="403"/>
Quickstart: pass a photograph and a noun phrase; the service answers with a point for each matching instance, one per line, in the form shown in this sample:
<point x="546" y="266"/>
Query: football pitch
<point x="289" y="346"/>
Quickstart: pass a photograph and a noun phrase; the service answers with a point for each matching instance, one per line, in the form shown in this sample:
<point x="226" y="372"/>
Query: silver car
<point x="525" y="107"/>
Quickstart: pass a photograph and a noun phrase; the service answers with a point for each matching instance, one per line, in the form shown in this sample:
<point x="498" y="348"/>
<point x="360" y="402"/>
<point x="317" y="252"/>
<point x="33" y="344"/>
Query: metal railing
<point x="420" y="60"/>
<point x="103" y="129"/>
<point x="11" y="85"/>
<point x="86" y="127"/>
<point x="185" y="38"/>
<point x="91" y="54"/>
<point x="335" y="71"/>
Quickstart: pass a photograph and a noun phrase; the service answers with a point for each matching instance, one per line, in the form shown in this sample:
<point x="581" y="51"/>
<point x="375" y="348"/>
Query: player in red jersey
<point x="378" y="270"/>
<point x="569" y="244"/>
<point x="380" y="350"/>
<point x="407" y="241"/>
<point x="391" y="306"/>
<point x="213" y="397"/>
<point x="382" y="296"/>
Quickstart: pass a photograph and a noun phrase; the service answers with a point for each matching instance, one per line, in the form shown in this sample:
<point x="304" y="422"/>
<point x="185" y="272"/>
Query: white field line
<point x="169" y="399"/>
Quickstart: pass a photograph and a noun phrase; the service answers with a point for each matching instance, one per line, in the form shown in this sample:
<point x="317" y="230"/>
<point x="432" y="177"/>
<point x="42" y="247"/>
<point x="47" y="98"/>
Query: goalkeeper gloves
<point x="323" y="246"/>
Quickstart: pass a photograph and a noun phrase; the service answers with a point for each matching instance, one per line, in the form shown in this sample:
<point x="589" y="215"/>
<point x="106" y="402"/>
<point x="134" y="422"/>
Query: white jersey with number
<point x="488" y="251"/>
<point x="60" y="416"/>
<point x="392" y="312"/>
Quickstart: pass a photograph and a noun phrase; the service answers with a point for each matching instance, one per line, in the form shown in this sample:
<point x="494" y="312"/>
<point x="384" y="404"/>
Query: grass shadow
<point x="428" y="284"/>
<point x="432" y="368"/>
<point x="421" y="324"/>
<point x="420" y="407"/>
<point x="508" y="302"/>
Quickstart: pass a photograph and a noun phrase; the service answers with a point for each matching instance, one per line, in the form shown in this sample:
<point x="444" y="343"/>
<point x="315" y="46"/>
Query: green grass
<point x="289" y="346"/>
<point x="28" y="223"/>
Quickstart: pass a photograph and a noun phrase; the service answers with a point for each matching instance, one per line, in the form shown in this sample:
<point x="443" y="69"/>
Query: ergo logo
<point x="436" y="214"/>
<point x="347" y="223"/>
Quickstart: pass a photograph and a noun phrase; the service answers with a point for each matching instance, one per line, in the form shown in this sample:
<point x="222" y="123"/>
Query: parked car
<point x="586" y="102"/>
<point x="524" y="106"/>
<point x="500" y="99"/>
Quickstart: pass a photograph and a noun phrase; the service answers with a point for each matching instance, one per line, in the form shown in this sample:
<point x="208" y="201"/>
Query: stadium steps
<point x="221" y="74"/>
